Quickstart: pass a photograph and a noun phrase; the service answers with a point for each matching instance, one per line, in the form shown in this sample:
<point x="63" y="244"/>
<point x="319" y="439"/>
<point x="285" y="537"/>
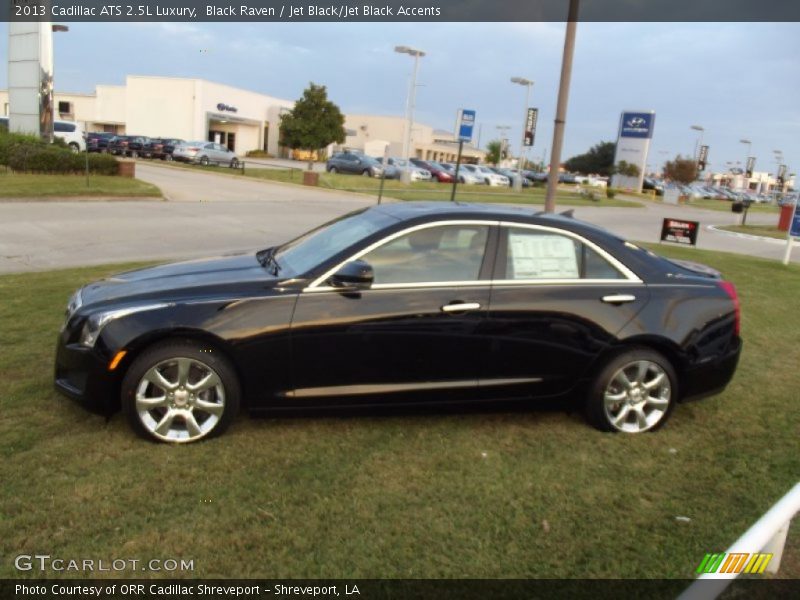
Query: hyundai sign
<point x="633" y="143"/>
<point x="637" y="125"/>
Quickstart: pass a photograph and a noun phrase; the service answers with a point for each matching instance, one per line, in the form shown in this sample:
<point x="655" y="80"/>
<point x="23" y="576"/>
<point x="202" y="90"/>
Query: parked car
<point x="398" y="304"/>
<point x="97" y="141"/>
<point x="437" y="171"/>
<point x="512" y="176"/>
<point x="127" y="145"/>
<point x="415" y="173"/>
<point x="70" y="133"/>
<point x="389" y="171"/>
<point x="160" y="148"/>
<point x="535" y="176"/>
<point x="350" y="162"/>
<point x="205" y="153"/>
<point x="488" y="176"/>
<point x="464" y="176"/>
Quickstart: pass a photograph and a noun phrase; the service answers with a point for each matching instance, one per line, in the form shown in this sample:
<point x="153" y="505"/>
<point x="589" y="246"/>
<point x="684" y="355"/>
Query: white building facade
<point x="242" y="120"/>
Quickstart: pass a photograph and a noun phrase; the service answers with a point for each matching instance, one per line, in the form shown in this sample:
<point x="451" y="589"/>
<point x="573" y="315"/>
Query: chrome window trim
<point x="625" y="271"/>
<point x="629" y="276"/>
<point x="316" y="285"/>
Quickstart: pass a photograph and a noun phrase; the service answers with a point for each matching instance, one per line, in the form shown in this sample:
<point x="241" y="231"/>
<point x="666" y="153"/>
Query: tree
<point x="494" y="151"/>
<point x="682" y="170"/>
<point x="313" y="123"/>
<point x="626" y="169"/>
<point x="599" y="159"/>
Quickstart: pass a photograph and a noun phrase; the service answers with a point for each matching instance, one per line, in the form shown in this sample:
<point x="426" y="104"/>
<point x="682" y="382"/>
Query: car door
<point x="416" y="335"/>
<point x="557" y="301"/>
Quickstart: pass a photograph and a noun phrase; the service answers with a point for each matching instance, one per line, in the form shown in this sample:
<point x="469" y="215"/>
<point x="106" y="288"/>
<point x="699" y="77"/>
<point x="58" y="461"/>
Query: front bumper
<point x="82" y="375"/>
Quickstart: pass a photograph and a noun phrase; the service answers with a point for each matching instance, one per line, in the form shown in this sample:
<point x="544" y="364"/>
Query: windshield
<point x="301" y="255"/>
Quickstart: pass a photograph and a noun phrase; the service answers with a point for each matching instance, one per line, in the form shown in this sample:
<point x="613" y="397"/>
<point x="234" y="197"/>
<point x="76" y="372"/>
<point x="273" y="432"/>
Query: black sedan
<point x="405" y="303"/>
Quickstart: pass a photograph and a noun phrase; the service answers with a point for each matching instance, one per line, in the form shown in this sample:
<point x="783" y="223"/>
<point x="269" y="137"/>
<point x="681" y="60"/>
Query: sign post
<point x="794" y="231"/>
<point x="464" y="125"/>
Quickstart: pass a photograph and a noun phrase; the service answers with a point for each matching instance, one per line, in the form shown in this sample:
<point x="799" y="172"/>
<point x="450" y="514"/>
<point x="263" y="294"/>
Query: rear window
<point x="63" y="127"/>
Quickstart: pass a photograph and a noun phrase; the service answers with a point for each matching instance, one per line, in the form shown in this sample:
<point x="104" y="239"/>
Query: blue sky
<point x="737" y="80"/>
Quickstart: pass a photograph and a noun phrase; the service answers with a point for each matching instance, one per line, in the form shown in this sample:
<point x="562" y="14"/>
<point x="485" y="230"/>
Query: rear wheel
<point x="234" y="164"/>
<point x="332" y="170"/>
<point x="204" y="161"/>
<point x="168" y="157"/>
<point x="180" y="392"/>
<point x="633" y="393"/>
<point x="74" y="147"/>
<point x="134" y="154"/>
<point x="366" y="173"/>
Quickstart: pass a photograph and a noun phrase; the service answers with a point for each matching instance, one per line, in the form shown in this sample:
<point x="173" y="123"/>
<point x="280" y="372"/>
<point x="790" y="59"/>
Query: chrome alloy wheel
<point x="180" y="399"/>
<point x="637" y="396"/>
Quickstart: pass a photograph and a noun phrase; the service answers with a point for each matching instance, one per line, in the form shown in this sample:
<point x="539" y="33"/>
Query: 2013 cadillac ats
<point x="404" y="303"/>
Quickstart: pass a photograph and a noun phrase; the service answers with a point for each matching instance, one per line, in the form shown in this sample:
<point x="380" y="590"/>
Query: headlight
<point x="95" y="323"/>
<point x="74" y="303"/>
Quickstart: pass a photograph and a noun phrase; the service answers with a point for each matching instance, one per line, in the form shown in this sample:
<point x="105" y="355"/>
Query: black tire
<point x="74" y="148"/>
<point x="366" y="173"/>
<point x="134" y="154"/>
<point x="204" y="161"/>
<point x="168" y="157"/>
<point x="204" y="359"/>
<point x="332" y="170"/>
<point x="631" y="403"/>
<point x="234" y="164"/>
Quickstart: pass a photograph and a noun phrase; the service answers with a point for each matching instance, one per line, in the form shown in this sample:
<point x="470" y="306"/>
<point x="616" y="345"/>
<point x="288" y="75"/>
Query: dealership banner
<point x="702" y="158"/>
<point x="633" y="144"/>
<point x="679" y="231"/>
<point x="530" y="126"/>
<point x="751" y="165"/>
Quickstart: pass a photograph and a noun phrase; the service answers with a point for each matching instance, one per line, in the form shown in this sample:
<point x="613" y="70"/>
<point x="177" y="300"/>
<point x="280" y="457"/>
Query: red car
<point x="437" y="171"/>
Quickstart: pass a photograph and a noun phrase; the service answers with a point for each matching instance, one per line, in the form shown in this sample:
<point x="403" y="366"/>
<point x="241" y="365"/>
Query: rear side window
<point x="64" y="127"/>
<point x="532" y="254"/>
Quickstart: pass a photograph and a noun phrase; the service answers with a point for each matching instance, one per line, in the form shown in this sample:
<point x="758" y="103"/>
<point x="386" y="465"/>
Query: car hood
<point x="209" y="276"/>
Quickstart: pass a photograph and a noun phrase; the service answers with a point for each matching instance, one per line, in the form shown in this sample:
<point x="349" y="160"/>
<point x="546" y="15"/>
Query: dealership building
<point x="242" y="120"/>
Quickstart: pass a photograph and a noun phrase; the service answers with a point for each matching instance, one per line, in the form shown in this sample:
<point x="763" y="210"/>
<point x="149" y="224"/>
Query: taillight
<point x="730" y="289"/>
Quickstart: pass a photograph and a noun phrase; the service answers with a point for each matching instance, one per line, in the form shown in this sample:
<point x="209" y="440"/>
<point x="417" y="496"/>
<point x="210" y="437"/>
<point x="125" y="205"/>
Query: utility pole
<point x="561" y="107"/>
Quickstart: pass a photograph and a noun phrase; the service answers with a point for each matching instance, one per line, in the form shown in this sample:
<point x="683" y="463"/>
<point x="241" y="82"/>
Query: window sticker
<point x="542" y="257"/>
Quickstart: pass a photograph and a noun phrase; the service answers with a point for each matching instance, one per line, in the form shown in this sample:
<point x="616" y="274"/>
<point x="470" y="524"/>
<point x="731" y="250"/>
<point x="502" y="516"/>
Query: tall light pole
<point x="745" y="180"/>
<point x="561" y="106"/>
<point x="412" y="94"/>
<point x="528" y="85"/>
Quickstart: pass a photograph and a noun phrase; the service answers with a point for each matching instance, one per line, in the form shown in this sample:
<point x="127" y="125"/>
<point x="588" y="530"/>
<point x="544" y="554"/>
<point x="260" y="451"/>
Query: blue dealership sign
<point x="466" y="122"/>
<point x="794" y="228"/>
<point x="637" y="125"/>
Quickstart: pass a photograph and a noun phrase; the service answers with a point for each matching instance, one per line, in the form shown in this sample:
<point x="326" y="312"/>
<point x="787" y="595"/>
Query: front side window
<point x="535" y="254"/>
<point x="434" y="254"/>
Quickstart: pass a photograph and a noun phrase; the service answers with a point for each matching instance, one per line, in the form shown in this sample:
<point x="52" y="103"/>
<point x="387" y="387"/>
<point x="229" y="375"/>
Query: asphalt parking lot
<point x="213" y="213"/>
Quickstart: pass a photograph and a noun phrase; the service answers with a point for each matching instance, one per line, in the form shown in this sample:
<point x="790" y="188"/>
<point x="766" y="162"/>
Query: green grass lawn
<point x="418" y="190"/>
<point x="458" y="495"/>
<point x="771" y="231"/>
<point x="17" y="185"/>
<point x="725" y="205"/>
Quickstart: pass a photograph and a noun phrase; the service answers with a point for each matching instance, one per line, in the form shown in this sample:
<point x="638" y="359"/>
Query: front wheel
<point x="332" y="170"/>
<point x="366" y="173"/>
<point x="633" y="393"/>
<point x="204" y="161"/>
<point x="234" y="164"/>
<point x="180" y="392"/>
<point x="74" y="148"/>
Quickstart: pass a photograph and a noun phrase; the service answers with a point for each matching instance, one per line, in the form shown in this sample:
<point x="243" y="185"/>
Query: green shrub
<point x="43" y="158"/>
<point x="10" y="140"/>
<point x="610" y="192"/>
<point x="259" y="154"/>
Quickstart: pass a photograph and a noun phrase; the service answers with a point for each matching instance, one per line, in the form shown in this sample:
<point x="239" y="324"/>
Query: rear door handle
<point x="618" y="298"/>
<point x="461" y="307"/>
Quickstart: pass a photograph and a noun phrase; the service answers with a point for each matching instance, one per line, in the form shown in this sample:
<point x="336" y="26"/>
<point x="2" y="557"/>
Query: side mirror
<point x="355" y="275"/>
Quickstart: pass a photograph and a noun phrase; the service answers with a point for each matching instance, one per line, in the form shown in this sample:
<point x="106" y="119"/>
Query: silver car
<point x="464" y="176"/>
<point x="205" y="153"/>
<point x="415" y="173"/>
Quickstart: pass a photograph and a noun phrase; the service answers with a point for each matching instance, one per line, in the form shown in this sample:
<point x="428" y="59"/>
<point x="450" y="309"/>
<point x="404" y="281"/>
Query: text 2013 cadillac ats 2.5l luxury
<point x="406" y="303"/>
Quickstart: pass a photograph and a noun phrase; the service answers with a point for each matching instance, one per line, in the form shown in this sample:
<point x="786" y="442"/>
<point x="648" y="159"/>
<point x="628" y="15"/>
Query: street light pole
<point x="412" y="94"/>
<point x="528" y="84"/>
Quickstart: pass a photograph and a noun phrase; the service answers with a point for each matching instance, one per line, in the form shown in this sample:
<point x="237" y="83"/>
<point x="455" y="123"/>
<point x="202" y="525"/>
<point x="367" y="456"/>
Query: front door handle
<point x="618" y="298"/>
<point x="461" y="307"/>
